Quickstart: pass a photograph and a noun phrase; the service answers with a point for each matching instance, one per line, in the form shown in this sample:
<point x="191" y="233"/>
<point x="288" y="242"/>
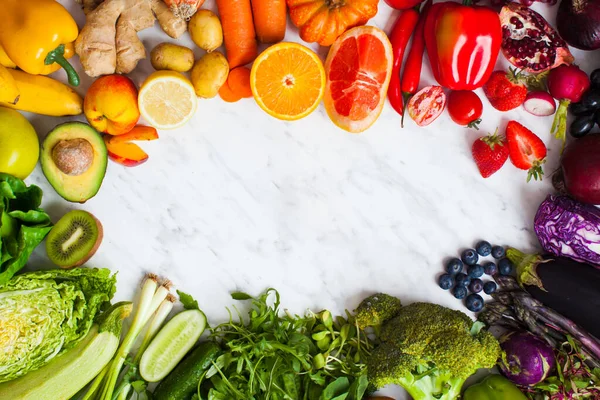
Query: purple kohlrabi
<point x="528" y="359"/>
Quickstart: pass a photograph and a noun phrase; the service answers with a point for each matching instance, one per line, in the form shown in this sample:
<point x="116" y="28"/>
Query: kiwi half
<point x="74" y="239"/>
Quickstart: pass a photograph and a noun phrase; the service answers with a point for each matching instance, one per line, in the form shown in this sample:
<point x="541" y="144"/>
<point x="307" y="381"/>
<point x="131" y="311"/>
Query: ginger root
<point x="108" y="42"/>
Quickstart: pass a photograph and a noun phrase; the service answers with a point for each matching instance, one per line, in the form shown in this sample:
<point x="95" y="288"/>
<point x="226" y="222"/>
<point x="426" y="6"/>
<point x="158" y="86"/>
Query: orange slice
<point x="288" y="81"/>
<point x="359" y="68"/>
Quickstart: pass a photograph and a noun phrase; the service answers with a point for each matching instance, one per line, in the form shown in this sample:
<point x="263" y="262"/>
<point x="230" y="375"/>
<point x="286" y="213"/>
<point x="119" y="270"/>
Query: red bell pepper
<point x="463" y="43"/>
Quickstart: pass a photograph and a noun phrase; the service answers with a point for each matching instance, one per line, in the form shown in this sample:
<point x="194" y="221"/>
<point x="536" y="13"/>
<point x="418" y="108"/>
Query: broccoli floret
<point x="376" y="309"/>
<point x="430" y="351"/>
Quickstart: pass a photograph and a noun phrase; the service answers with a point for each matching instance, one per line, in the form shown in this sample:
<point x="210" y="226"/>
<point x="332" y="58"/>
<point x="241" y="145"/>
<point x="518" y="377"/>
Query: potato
<point x="205" y="30"/>
<point x="172" y="57"/>
<point x="209" y="74"/>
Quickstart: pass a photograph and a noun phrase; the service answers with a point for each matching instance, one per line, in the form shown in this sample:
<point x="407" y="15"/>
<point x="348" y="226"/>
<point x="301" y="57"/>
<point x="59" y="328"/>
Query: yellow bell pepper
<point x="37" y="36"/>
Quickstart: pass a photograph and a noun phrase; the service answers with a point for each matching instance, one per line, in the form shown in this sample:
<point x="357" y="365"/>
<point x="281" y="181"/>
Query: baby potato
<point x="209" y="73"/>
<point x="172" y="57"/>
<point x="206" y="30"/>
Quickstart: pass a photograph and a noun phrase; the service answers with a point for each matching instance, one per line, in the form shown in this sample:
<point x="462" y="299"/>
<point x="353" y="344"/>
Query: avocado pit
<point x="73" y="156"/>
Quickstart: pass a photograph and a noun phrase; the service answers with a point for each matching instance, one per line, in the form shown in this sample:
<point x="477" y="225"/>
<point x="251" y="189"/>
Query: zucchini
<point x="182" y="382"/>
<point x="171" y="344"/>
<point x="68" y="373"/>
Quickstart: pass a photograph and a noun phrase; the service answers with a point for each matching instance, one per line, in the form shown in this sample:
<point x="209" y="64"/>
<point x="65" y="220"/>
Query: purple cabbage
<point x="528" y="361"/>
<point x="566" y="227"/>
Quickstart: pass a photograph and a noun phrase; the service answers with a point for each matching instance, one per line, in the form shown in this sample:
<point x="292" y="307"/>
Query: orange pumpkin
<point x="322" y="21"/>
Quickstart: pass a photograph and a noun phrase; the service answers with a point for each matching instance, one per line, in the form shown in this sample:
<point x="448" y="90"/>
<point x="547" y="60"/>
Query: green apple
<point x="19" y="144"/>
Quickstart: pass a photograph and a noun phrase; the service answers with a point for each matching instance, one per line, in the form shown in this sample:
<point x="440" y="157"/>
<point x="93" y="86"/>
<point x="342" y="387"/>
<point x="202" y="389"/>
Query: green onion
<point x="151" y="297"/>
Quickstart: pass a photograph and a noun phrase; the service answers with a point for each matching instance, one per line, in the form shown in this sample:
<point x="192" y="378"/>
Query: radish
<point x="539" y="103"/>
<point x="566" y="83"/>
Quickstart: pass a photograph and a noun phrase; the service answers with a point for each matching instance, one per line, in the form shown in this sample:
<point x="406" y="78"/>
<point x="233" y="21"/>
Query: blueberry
<point x="462" y="279"/>
<point x="460" y="292"/>
<point x="476" y="286"/>
<point x="489" y="268"/>
<point x="474" y="302"/>
<point x="498" y="252"/>
<point x="483" y="248"/>
<point x="505" y="267"/>
<point x="475" y="271"/>
<point x="489" y="287"/>
<point x="469" y="257"/>
<point x="446" y="281"/>
<point x="454" y="266"/>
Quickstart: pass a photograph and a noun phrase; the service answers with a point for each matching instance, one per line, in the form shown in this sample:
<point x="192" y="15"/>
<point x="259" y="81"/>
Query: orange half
<point x="359" y="69"/>
<point x="288" y="81"/>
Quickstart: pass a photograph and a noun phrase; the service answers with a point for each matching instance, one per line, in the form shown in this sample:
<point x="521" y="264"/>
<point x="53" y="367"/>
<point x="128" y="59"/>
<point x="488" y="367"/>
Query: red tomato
<point x="426" y="105"/>
<point x="465" y="108"/>
<point x="403" y="4"/>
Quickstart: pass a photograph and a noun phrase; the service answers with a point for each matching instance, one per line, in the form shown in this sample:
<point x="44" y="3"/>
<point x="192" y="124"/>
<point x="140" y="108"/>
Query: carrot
<point x="238" y="31"/>
<point x="228" y="95"/>
<point x="270" y="18"/>
<point x="239" y="82"/>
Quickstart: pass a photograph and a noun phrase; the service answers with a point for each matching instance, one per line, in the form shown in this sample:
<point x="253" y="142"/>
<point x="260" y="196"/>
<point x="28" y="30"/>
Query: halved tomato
<point x="426" y="105"/>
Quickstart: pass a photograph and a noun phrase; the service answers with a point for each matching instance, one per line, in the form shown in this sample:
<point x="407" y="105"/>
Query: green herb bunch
<point x="273" y="356"/>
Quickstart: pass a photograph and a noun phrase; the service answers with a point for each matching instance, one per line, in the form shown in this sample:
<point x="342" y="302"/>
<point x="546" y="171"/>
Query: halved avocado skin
<point x="79" y="188"/>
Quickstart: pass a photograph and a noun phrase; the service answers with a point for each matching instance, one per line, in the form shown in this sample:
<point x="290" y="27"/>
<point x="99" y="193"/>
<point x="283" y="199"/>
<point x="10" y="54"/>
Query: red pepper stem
<point x="58" y="56"/>
<point x="405" y="97"/>
<point x="467" y="3"/>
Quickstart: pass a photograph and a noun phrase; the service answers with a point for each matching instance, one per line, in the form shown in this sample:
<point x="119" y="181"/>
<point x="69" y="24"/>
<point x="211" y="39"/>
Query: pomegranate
<point x="529" y="42"/>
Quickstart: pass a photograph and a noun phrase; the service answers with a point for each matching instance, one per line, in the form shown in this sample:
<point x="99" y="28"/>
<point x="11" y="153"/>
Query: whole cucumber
<point x="182" y="382"/>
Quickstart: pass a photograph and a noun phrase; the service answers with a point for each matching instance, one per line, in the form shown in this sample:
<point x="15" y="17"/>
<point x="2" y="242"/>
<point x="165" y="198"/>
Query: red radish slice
<point x="540" y="103"/>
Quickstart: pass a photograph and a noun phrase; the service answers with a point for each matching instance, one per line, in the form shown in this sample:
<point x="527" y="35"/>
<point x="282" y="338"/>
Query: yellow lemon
<point x="167" y="100"/>
<point x="19" y="145"/>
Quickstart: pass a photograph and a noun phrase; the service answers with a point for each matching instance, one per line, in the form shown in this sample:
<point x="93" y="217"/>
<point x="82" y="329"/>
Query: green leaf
<point x="28" y="240"/>
<point x="319" y="361"/>
<point x="320" y="335"/>
<point x="327" y="319"/>
<point x="358" y="388"/>
<point x="189" y="303"/>
<point x="32" y="217"/>
<point x="241" y="296"/>
<point x="23" y="225"/>
<point x="6" y="191"/>
<point x="336" y="388"/>
<point x="139" y="386"/>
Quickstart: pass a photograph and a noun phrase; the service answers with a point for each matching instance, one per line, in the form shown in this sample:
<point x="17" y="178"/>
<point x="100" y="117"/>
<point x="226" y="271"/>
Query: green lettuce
<point x="23" y="225"/>
<point x="45" y="313"/>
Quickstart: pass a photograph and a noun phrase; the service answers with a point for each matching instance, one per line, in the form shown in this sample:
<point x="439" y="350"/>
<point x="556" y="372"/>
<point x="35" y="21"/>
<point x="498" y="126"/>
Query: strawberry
<point x="526" y="150"/>
<point x="506" y="90"/>
<point x="490" y="153"/>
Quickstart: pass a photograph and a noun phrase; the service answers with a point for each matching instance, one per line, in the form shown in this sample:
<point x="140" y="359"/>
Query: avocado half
<point x="74" y="160"/>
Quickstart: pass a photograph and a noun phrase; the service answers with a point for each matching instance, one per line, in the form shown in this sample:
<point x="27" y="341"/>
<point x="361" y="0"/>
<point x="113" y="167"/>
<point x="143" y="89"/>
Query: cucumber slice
<point x="171" y="344"/>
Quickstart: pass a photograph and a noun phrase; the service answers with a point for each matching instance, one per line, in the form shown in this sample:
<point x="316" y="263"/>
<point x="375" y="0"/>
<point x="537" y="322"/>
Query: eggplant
<point x="569" y="287"/>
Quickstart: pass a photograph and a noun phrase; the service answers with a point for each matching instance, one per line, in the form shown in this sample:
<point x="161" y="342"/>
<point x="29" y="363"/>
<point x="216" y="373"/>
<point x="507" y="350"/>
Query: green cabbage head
<point x="44" y="313"/>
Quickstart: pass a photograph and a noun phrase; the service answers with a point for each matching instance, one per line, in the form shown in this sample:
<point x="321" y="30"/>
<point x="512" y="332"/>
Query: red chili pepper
<point x="401" y="32"/>
<point x="411" y="73"/>
<point x="463" y="43"/>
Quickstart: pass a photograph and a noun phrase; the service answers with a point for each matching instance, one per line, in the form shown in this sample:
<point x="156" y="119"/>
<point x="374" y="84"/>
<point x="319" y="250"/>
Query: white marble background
<point x="237" y="200"/>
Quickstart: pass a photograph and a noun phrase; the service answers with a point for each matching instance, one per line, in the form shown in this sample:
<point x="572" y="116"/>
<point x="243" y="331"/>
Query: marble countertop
<point x="237" y="200"/>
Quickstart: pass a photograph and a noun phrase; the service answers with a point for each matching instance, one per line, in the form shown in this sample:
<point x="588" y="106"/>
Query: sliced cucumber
<point x="171" y="344"/>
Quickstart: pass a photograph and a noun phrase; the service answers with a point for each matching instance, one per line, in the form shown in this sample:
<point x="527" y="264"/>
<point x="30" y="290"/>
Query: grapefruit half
<point x="358" y="69"/>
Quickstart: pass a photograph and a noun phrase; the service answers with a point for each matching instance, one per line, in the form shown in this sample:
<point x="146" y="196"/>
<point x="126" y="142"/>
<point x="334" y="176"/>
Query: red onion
<point x="578" y="23"/>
